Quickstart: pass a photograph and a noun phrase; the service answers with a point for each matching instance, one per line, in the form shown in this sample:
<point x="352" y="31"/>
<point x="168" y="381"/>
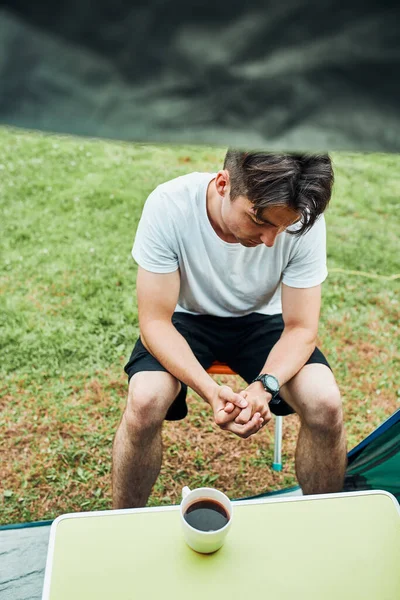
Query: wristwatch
<point x="270" y="383"/>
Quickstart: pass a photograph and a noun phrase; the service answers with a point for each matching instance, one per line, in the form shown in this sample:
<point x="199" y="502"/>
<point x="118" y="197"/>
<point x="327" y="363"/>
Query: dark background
<point x="288" y="75"/>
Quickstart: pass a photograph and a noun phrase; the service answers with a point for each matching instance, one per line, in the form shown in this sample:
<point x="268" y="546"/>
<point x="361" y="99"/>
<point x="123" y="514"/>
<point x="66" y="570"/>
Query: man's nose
<point x="268" y="238"/>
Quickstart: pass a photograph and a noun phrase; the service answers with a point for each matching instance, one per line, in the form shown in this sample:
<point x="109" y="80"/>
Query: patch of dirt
<point x="58" y="449"/>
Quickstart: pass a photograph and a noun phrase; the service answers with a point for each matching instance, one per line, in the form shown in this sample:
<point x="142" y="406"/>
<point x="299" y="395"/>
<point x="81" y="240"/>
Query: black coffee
<point x="206" y="515"/>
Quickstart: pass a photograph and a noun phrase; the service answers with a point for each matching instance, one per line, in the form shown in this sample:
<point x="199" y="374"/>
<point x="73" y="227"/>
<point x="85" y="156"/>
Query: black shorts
<point x="242" y="342"/>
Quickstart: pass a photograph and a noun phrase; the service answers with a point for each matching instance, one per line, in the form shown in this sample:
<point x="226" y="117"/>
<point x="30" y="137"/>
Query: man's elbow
<point x="308" y="335"/>
<point x="151" y="327"/>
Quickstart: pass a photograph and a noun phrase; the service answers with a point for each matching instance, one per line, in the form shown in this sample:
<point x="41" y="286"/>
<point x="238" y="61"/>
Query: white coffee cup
<point x="204" y="541"/>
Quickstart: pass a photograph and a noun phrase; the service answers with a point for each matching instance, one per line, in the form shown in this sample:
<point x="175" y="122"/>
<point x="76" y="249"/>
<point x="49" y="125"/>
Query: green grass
<point x="68" y="317"/>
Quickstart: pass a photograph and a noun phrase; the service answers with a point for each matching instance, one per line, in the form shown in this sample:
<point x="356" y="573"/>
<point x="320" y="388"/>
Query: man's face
<point x="240" y="219"/>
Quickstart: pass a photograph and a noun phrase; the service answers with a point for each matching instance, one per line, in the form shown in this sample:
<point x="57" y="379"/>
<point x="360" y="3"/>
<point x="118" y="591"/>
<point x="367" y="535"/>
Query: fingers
<point x="257" y="405"/>
<point x="245" y="431"/>
<point x="221" y="417"/>
<point x="244" y="416"/>
<point x="266" y="413"/>
<point x="229" y="406"/>
<point x="267" y="416"/>
<point x="228" y="395"/>
<point x="251" y="427"/>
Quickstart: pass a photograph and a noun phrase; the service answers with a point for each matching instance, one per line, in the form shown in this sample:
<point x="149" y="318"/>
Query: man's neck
<point x="213" y="204"/>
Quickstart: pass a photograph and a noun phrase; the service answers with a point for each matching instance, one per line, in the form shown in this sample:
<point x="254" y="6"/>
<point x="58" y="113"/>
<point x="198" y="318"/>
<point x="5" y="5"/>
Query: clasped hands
<point x="242" y="413"/>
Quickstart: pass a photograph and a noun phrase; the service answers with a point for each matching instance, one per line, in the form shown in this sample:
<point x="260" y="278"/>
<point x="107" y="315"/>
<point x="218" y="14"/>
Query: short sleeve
<point x="307" y="262"/>
<point x="154" y="247"/>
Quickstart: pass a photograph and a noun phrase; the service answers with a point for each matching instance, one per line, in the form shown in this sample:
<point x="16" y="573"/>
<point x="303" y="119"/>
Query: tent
<point x="373" y="464"/>
<point x="288" y="75"/>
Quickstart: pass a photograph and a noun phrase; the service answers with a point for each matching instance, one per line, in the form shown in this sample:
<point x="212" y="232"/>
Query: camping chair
<point x="218" y="368"/>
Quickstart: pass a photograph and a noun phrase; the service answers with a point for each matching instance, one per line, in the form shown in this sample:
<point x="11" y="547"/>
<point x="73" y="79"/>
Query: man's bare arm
<point x="157" y="295"/>
<point x="300" y="311"/>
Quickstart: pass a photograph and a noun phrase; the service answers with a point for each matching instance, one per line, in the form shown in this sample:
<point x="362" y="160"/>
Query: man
<point x="230" y="269"/>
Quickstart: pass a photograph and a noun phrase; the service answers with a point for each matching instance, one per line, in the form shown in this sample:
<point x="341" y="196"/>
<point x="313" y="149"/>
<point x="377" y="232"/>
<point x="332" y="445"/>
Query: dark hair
<point x="302" y="182"/>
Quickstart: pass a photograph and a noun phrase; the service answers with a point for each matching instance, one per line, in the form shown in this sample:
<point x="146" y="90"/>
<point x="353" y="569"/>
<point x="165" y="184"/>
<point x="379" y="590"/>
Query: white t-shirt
<point x="219" y="278"/>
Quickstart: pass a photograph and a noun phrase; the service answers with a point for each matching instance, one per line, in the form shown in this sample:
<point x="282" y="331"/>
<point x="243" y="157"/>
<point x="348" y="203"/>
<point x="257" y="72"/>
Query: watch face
<point x="272" y="383"/>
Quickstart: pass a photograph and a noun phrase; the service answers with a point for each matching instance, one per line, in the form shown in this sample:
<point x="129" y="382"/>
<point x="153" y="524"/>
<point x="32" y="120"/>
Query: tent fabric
<point x="283" y="75"/>
<point x="373" y="464"/>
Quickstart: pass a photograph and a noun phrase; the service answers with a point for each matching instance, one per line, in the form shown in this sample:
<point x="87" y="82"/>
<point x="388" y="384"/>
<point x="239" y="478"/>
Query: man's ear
<point x="222" y="182"/>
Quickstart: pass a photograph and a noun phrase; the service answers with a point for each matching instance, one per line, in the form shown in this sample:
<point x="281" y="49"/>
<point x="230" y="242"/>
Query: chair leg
<point x="277" y="464"/>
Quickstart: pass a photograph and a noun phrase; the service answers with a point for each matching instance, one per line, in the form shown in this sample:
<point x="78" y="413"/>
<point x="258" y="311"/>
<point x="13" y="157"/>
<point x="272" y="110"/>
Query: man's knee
<point x="323" y="413"/>
<point x="146" y="406"/>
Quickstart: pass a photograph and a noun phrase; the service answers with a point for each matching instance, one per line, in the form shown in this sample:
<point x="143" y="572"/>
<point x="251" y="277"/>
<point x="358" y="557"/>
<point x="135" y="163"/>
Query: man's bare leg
<point x="137" y="448"/>
<point x="321" y="455"/>
<point x="320" y="461"/>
